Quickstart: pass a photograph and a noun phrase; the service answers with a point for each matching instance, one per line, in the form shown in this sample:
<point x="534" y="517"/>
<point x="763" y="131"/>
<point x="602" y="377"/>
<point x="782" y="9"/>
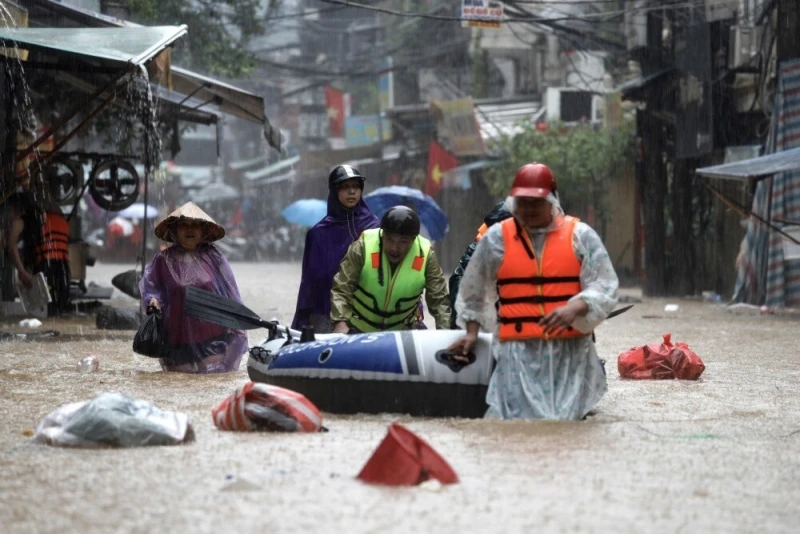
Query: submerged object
<point x="406" y="371"/>
<point x="88" y="364"/>
<point x="405" y="459"/>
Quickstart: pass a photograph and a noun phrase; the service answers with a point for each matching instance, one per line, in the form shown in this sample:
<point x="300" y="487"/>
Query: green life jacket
<point x="391" y="305"/>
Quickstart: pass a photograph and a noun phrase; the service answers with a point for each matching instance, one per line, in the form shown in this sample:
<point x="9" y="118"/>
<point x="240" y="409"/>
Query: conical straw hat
<point x="190" y="211"/>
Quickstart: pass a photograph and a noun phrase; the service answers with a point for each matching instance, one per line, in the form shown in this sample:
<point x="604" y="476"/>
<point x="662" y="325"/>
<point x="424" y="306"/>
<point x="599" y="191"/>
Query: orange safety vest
<point x="529" y="289"/>
<point x="54" y="243"/>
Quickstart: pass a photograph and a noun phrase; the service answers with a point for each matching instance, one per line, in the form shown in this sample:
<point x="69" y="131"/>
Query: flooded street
<point x="718" y="455"/>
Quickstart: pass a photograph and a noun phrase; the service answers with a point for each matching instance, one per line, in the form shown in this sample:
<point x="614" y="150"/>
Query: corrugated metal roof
<point x="496" y="120"/>
<point x="272" y="169"/>
<point x="118" y="46"/>
<point x="787" y="160"/>
<point x="246" y="163"/>
<point x="227" y="98"/>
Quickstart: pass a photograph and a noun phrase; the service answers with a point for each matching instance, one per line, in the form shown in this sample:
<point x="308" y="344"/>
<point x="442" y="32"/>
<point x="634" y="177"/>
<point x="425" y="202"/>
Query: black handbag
<point x="151" y="338"/>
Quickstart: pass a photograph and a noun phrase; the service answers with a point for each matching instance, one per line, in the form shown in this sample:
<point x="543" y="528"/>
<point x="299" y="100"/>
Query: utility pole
<point x="692" y="134"/>
<point x="8" y="145"/>
<point x="788" y="45"/>
<point x="654" y="180"/>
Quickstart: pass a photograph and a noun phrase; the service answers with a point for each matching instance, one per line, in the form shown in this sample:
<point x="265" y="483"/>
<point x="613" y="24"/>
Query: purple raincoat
<point x="326" y="244"/>
<point x="195" y="346"/>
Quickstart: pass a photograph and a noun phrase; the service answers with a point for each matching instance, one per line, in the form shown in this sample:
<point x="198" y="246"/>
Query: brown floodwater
<point x="721" y="454"/>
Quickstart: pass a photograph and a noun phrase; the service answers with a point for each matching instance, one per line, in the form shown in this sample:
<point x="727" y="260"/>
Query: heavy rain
<point x="400" y="265"/>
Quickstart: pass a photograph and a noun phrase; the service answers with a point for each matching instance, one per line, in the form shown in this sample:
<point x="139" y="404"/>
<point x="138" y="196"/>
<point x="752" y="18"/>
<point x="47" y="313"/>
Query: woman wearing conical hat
<point x="192" y="260"/>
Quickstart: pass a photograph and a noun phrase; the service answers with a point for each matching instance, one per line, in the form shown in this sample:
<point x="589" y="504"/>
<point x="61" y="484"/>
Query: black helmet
<point x="342" y="173"/>
<point x="401" y="220"/>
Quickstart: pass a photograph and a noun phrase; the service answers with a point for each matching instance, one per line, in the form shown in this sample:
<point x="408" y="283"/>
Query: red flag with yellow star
<point x="335" y="105"/>
<point x="439" y="162"/>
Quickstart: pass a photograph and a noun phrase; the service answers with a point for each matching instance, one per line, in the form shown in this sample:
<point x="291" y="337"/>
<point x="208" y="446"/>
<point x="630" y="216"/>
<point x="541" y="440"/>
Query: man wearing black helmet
<point x="380" y="282"/>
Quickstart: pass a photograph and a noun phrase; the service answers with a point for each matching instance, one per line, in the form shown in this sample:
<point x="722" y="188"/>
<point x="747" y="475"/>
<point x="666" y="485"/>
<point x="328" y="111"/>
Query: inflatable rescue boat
<point x="396" y="372"/>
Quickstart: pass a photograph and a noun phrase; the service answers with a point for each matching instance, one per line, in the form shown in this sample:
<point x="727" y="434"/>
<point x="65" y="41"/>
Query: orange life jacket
<point x="54" y="244"/>
<point x="529" y="289"/>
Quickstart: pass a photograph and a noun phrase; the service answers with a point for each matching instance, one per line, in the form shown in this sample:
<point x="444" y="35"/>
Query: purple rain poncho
<point x="326" y="244"/>
<point x="195" y="346"/>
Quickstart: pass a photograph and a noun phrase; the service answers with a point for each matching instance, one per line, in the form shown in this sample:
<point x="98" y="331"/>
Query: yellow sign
<point x="461" y="128"/>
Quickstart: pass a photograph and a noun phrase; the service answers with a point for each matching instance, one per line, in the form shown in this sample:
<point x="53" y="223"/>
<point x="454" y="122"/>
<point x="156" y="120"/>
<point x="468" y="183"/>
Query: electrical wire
<point x="573" y="37"/>
<point x="303" y="14"/>
<point x="438" y="52"/>
<point x="530" y="18"/>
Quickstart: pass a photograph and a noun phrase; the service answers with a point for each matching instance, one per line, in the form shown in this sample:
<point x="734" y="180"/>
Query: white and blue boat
<point x="385" y="372"/>
<point x="407" y="372"/>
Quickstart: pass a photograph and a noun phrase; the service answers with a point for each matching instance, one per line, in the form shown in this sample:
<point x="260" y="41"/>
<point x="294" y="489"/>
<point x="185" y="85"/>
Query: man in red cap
<point x="541" y="281"/>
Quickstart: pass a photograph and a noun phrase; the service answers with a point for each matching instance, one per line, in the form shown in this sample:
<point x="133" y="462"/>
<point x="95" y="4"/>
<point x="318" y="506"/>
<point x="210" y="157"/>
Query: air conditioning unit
<point x="745" y="42"/>
<point x="720" y="9"/>
<point x="571" y="105"/>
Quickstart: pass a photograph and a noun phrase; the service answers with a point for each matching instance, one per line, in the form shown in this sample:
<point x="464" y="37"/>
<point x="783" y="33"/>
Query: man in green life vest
<point x="380" y="283"/>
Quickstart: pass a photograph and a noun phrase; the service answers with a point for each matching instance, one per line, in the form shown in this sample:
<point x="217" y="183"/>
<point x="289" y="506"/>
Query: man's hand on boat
<point x="465" y="343"/>
<point x="341" y="327"/>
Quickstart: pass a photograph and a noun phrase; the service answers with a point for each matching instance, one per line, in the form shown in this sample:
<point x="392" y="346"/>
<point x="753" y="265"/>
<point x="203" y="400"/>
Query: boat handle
<point x="448" y="358"/>
<point x="324" y="355"/>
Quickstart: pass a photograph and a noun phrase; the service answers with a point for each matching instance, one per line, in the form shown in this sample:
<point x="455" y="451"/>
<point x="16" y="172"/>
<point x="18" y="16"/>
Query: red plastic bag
<point x="257" y="406"/>
<point x="661" y="361"/>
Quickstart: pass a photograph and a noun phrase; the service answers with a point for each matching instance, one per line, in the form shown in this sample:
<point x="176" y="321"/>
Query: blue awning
<point x="755" y="168"/>
<point x="469" y="167"/>
<point x="459" y="177"/>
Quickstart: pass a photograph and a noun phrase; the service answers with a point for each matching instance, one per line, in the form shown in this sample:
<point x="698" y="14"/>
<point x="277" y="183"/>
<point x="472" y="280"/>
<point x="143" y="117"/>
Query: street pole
<point x="654" y="179"/>
<point x="8" y="145"/>
<point x="788" y="45"/>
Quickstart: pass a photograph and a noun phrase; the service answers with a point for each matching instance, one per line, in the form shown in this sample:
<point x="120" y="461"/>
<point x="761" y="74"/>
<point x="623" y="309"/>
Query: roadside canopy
<point x="113" y="47"/>
<point x="227" y="98"/>
<point x="102" y="50"/>
<point x="755" y="168"/>
<point x="207" y="94"/>
<point x="271" y="170"/>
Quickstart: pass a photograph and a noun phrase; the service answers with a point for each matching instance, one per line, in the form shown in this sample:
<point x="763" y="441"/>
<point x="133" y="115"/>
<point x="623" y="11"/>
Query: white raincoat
<point x="538" y="378"/>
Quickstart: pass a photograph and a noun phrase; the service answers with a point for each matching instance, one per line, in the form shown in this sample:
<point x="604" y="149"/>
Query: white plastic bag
<point x="113" y="420"/>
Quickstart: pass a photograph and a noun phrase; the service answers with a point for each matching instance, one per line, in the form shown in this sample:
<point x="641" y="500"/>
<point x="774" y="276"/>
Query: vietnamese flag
<point x="439" y="162"/>
<point x="335" y="105"/>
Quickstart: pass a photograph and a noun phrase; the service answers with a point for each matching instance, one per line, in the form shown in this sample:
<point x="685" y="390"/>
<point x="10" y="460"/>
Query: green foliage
<point x="583" y="160"/>
<point x="218" y="31"/>
<point x="363" y="97"/>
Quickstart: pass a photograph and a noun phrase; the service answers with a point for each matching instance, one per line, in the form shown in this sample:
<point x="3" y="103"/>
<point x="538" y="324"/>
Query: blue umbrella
<point x="431" y="215"/>
<point x="306" y="211"/>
